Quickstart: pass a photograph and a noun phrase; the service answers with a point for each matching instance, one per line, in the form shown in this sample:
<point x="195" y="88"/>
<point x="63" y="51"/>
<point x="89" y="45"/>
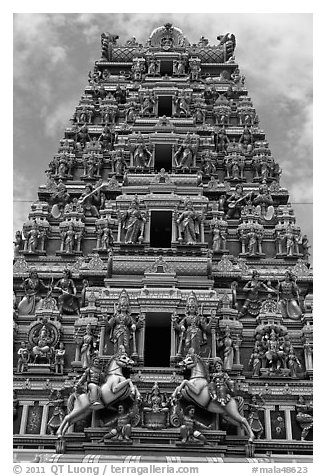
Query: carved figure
<point x="56" y="400"/>
<point x="67" y="301"/>
<point x="221" y="386"/>
<point x="59" y="358"/>
<point x="188" y="223"/>
<point x="234" y="164"/>
<point x="18" y="243"/>
<point x="207" y="164"/>
<point x="246" y="140"/>
<point x="142" y="156"/>
<point x="132" y="222"/>
<point x="189" y="430"/>
<point x="289" y="297"/>
<point x="148" y="104"/>
<point x="33" y="286"/>
<point x="153" y="66"/>
<point x="90" y="200"/>
<point x="88" y="347"/>
<point x="236" y="201"/>
<point x="94" y="378"/>
<point x="221" y="140"/>
<point x="107" y="138"/>
<point x="196" y="390"/>
<point x="59" y="200"/>
<point x="155" y="409"/>
<point x="228" y="350"/>
<point x="42" y="350"/>
<point x="252" y="304"/>
<point x="115" y="388"/>
<point x="194" y="69"/>
<point x="121" y="425"/>
<point x="292" y="362"/>
<point x="304" y="416"/>
<point x="253" y="418"/>
<point x="182" y="105"/>
<point x="219" y="230"/>
<point x="23" y="357"/>
<point x="185" y="155"/>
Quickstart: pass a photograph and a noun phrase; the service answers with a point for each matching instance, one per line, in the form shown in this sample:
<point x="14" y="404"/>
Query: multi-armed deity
<point x="133" y="222"/>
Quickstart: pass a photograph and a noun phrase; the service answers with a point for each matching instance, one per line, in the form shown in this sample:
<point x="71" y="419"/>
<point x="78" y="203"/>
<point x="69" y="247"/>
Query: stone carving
<point x="141" y="154"/>
<point x="43" y="338"/>
<point x="123" y="326"/>
<point x="179" y="66"/>
<point x="87" y="346"/>
<point x="221" y="140"/>
<point x="304" y="416"/>
<point x="67" y="301"/>
<point x="208" y="166"/>
<point x="186" y="153"/>
<point x="289" y="299"/>
<point x="182" y="104"/>
<point x="121" y="425"/>
<point x="107" y="138"/>
<point x="155" y="409"/>
<point x="59" y="358"/>
<point x="234" y="164"/>
<point x="254" y="287"/>
<point x="192" y="328"/>
<point x="104" y="235"/>
<point x="221" y="386"/>
<point x="132" y="222"/>
<point x="59" y="199"/>
<point x="148" y="103"/>
<point x="246" y="141"/>
<point x="251" y="235"/>
<point x="93" y="377"/>
<point x="188" y="223"/>
<point x="253" y="418"/>
<point x="194" y="69"/>
<point x="138" y="69"/>
<point x="236" y="201"/>
<point x="56" y="400"/>
<point x="24" y="356"/>
<point x="93" y="164"/>
<point x="90" y="200"/>
<point x="222" y="111"/>
<point x="18" y="243"/>
<point x="153" y="66"/>
<point x="219" y="229"/>
<point x="33" y="287"/>
<point x="189" y="430"/>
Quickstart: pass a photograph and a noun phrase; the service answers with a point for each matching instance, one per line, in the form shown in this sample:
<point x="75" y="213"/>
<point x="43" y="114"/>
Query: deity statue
<point x="181" y="104"/>
<point x="305" y="247"/>
<point x="106" y="237"/>
<point x="264" y="202"/>
<point x="207" y="164"/>
<point x="289" y="297"/>
<point x="94" y="378"/>
<point x="189" y="430"/>
<point x="59" y="200"/>
<point x="88" y="347"/>
<point x="153" y="66"/>
<point x="246" y="140"/>
<point x="59" y="358"/>
<point x="252" y="304"/>
<point x="221" y="387"/>
<point x="148" y="103"/>
<point x="107" y="138"/>
<point x="23" y="357"/>
<point x="142" y="156"/>
<point x="221" y="140"/>
<point x="234" y="164"/>
<point x="119" y="162"/>
<point x="42" y="349"/>
<point x="121" y="426"/>
<point x="255" y="361"/>
<point x="33" y="286"/>
<point x="56" y="400"/>
<point x="82" y="136"/>
<point x="90" y="200"/>
<point x="304" y="416"/>
<point x="292" y="362"/>
<point x="253" y="417"/>
<point x="192" y="328"/>
<point x="120" y="94"/>
<point x="220" y="230"/>
<point x="188" y="223"/>
<point x="236" y="201"/>
<point x="155" y="409"/>
<point x="123" y="326"/>
<point x="179" y="67"/>
<point x="69" y="239"/>
<point x="133" y="222"/>
<point x="67" y="301"/>
<point x="228" y="350"/>
<point x="185" y="155"/>
<point x="18" y="243"/>
<point x="194" y="69"/>
<point x="32" y="238"/>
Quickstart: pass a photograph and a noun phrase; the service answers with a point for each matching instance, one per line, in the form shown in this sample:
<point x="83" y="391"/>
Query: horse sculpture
<point x="115" y="388"/>
<point x="196" y="390"/>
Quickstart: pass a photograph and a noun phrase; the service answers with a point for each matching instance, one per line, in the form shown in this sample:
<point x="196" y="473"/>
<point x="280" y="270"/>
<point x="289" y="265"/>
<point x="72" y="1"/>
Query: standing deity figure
<point x="123" y="326"/>
<point x="221" y="140"/>
<point x="33" y="286"/>
<point x="228" y="350"/>
<point x="221" y="386"/>
<point x="88" y="347"/>
<point x="234" y="164"/>
<point x="23" y="357"/>
<point x="153" y="66"/>
<point x="107" y="138"/>
<point x="304" y="416"/>
<point x="18" y="243"/>
<point x="185" y="155"/>
<point x="106" y="237"/>
<point x="56" y="400"/>
<point x="255" y="360"/>
<point x="67" y="300"/>
<point x="141" y="156"/>
<point x="133" y="222"/>
<point x="148" y="104"/>
<point x="179" y="67"/>
<point x="192" y="328"/>
<point x="253" y="417"/>
<point x="32" y="238"/>
<point x="253" y="287"/>
<point x="289" y="296"/>
<point x="208" y="166"/>
<point x="94" y="378"/>
<point x="289" y="238"/>
<point x="188" y="223"/>
<point x="59" y="200"/>
<point x="220" y="230"/>
<point x="82" y="136"/>
<point x="292" y="362"/>
<point x="189" y="430"/>
<point x="194" y="69"/>
<point x="59" y="358"/>
<point x="182" y="105"/>
<point x="305" y="247"/>
<point x="69" y="239"/>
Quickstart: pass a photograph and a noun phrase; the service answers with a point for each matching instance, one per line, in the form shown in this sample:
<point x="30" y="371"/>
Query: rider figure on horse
<point x="94" y="378"/>
<point x="221" y="386"/>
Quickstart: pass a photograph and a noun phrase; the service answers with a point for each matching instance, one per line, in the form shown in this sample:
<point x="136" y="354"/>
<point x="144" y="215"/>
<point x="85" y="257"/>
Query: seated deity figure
<point x="42" y="349"/>
<point x="123" y="326"/>
<point x="155" y="410"/>
<point x="132" y="222"/>
<point x="121" y="426"/>
<point x="90" y="201"/>
<point x="192" y="328"/>
<point x="188" y="223"/>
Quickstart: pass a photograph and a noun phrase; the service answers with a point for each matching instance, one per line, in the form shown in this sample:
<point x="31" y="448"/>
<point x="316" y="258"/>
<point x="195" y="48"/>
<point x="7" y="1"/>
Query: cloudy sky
<point x="274" y="52"/>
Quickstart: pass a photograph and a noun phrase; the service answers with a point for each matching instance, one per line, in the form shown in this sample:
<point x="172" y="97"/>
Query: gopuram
<point x="163" y="300"/>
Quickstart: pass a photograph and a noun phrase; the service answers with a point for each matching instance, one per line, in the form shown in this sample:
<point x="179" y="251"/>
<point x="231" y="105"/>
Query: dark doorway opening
<point x="166" y="68"/>
<point x="165" y="106"/>
<point x="161" y="229"/>
<point x="163" y="157"/>
<point x="157" y="339"/>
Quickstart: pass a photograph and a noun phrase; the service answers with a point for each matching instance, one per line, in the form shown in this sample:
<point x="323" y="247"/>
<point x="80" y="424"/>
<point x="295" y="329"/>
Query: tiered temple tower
<point x="163" y="227"/>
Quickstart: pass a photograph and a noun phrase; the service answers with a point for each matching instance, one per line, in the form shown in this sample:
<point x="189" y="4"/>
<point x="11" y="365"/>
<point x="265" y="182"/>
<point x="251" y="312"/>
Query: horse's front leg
<point x="177" y="391"/>
<point x="121" y="385"/>
<point x="192" y="387"/>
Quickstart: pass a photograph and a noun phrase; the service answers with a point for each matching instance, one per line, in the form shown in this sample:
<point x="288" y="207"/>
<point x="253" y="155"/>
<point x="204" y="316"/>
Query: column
<point x="102" y="337"/>
<point x="23" y="421"/>
<point x="44" y="417"/>
<point x="267" y="417"/>
<point x="288" y="427"/>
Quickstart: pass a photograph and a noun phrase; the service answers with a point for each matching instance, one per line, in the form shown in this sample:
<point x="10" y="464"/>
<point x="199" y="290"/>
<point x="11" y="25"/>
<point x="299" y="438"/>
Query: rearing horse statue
<point x="196" y="391"/>
<point x="115" y="388"/>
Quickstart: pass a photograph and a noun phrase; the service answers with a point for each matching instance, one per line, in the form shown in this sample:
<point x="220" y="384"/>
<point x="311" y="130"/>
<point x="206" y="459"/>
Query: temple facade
<point x="163" y="298"/>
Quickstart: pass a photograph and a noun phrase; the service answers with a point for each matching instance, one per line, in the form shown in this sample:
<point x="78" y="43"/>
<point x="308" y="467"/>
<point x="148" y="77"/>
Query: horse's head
<point x="189" y="361"/>
<point x="122" y="358"/>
